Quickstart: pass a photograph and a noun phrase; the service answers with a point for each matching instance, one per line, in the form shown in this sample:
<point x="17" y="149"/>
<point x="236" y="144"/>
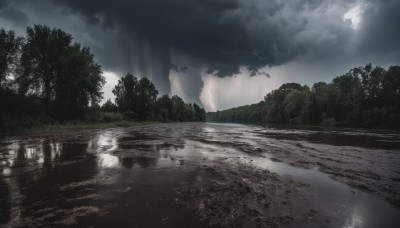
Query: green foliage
<point x="137" y="99"/>
<point x="109" y="106"/>
<point x="62" y="74"/>
<point x="10" y="46"/>
<point x="46" y="78"/>
<point x="147" y="95"/>
<point x="11" y="122"/>
<point x="165" y="108"/>
<point x="363" y="97"/>
<point x="108" y="117"/>
<point x="126" y="93"/>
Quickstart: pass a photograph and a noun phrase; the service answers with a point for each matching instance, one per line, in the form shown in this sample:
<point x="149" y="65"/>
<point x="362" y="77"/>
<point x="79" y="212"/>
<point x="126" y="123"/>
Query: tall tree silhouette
<point x="147" y="95"/>
<point x="10" y="46"/>
<point x="126" y="93"/>
<point x="63" y="74"/>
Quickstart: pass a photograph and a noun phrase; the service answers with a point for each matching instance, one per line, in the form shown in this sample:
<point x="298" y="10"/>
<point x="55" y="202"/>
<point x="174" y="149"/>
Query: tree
<point x="275" y="100"/>
<point x="200" y="113"/>
<point x="349" y="95"/>
<point x="42" y="61"/>
<point x="109" y="106"/>
<point x="63" y="74"/>
<point x="294" y="103"/>
<point x="126" y="95"/>
<point x="78" y="85"/>
<point x="179" y="107"/>
<point x="391" y="87"/>
<point x="10" y="47"/>
<point x="165" y="108"/>
<point x="147" y="95"/>
<point x="136" y="97"/>
<point x="365" y="96"/>
<point x="373" y="86"/>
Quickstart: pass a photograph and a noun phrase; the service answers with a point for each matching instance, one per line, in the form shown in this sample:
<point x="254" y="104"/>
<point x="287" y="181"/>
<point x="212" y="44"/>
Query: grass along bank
<point x="46" y="128"/>
<point x="22" y="126"/>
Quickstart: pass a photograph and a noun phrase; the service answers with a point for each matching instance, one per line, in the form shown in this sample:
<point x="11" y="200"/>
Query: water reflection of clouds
<point x="354" y="221"/>
<point x="165" y="159"/>
<point x="164" y="153"/>
<point x="209" y="129"/>
<point x="136" y="155"/>
<point x="6" y="171"/>
<point x="108" y="161"/>
<point x="105" y="142"/>
<point x="13" y="147"/>
<point x="153" y="156"/>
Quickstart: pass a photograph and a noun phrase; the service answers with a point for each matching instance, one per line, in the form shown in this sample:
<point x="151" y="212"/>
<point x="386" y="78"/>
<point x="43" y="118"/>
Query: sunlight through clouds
<point x="354" y="15"/>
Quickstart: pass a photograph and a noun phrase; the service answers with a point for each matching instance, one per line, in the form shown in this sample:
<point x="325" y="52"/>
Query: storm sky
<point x="221" y="53"/>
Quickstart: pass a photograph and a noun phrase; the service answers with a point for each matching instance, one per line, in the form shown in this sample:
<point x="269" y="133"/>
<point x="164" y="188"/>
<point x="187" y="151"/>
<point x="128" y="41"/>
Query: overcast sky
<point x="221" y="53"/>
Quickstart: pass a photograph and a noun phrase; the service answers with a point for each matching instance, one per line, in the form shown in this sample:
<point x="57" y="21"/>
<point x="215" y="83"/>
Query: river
<point x="201" y="175"/>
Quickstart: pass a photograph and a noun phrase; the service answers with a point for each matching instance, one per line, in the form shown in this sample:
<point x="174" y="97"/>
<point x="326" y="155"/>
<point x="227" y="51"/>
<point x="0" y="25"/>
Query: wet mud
<point x="201" y="175"/>
<point x="239" y="197"/>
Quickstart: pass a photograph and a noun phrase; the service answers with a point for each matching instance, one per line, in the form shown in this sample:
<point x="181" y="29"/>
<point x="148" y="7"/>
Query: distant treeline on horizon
<point x="46" y="78"/>
<point x="364" y="97"/>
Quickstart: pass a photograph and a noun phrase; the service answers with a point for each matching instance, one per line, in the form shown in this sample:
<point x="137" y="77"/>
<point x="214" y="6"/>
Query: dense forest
<point x="45" y="78"/>
<point x="364" y="97"/>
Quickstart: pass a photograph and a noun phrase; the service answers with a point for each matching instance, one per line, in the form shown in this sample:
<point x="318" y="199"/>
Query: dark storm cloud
<point x="224" y="34"/>
<point x="379" y="33"/>
<point x="12" y="13"/>
<point x="3" y="3"/>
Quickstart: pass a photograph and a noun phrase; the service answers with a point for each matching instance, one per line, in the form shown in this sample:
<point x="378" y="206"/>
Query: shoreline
<point x="308" y="126"/>
<point x="57" y="128"/>
<point x="74" y="126"/>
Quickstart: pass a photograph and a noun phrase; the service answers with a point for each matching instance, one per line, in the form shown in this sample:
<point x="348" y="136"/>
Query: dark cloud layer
<point x="223" y="34"/>
<point x="379" y="34"/>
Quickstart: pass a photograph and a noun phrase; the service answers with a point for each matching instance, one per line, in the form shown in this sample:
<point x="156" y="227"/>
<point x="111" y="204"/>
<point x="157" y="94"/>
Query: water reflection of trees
<point x="145" y="150"/>
<point x="19" y="156"/>
<point x="37" y="169"/>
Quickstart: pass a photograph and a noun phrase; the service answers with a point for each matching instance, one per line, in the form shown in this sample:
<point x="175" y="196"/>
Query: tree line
<point x="47" y="76"/>
<point x="364" y="97"/>
<point x="137" y="99"/>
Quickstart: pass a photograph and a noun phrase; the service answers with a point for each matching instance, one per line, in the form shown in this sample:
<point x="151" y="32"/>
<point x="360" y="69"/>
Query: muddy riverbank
<point x="201" y="174"/>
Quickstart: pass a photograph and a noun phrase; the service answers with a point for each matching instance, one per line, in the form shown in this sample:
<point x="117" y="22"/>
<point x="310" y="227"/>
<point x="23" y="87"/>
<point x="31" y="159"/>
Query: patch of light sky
<point x="354" y="13"/>
<point x="111" y="81"/>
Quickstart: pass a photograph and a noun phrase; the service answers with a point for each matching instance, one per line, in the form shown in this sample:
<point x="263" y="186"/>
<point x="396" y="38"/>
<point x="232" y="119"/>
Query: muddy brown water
<point x="201" y="175"/>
